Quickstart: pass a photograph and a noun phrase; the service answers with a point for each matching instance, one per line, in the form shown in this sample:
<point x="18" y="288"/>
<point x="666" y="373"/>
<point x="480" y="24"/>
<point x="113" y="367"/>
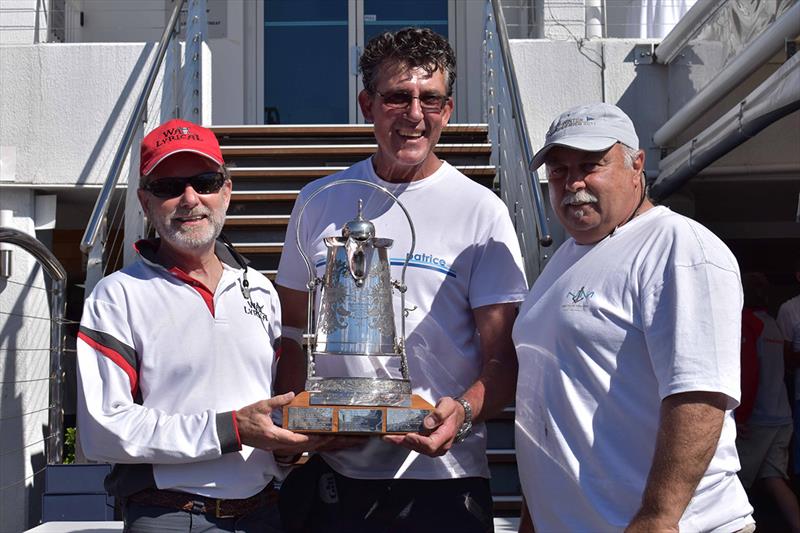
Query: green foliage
<point x="69" y="446"/>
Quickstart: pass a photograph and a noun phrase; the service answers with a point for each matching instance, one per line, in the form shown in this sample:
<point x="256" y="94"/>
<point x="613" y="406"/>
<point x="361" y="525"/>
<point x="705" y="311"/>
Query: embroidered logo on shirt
<point x="580" y="295"/>
<point x="252" y="308"/>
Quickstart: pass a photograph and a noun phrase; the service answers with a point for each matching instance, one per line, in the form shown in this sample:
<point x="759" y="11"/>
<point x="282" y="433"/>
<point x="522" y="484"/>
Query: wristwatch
<point x="466" y="427"/>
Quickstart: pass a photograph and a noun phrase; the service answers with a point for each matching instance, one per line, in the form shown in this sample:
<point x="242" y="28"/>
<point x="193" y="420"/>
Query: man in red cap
<point x="175" y="358"/>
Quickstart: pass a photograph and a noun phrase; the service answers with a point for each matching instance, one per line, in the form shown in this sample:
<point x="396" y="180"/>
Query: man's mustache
<point x="581" y="197"/>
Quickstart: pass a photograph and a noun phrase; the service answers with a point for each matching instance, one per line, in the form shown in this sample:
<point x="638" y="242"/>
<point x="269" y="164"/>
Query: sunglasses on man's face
<point x="203" y="183"/>
<point x="402" y="99"/>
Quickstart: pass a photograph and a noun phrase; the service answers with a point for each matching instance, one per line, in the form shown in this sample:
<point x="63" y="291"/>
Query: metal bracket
<point x="791" y="47"/>
<point x="644" y="54"/>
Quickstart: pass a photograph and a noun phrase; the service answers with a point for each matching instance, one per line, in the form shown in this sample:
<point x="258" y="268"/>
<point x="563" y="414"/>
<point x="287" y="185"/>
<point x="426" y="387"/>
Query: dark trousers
<point x="152" y="519"/>
<point x="315" y="498"/>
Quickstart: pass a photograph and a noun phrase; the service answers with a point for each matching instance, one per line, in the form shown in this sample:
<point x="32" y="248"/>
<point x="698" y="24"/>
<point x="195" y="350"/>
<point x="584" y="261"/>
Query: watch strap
<point x="466" y="426"/>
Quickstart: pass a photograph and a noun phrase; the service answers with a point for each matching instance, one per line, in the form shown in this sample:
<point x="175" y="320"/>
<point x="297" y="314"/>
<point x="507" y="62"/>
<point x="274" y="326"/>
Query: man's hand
<point x="441" y="428"/>
<point x="256" y="428"/>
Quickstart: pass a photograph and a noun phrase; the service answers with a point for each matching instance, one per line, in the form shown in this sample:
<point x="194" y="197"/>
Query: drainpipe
<point x="743" y="65"/>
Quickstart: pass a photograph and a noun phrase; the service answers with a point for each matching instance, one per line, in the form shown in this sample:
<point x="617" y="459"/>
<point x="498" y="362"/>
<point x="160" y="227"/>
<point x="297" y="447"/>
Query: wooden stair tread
<point x="255" y="220"/>
<point x="320" y="172"/>
<point x="253" y="196"/>
<point x="341" y="149"/>
<point x="259" y="248"/>
<point x="299" y="130"/>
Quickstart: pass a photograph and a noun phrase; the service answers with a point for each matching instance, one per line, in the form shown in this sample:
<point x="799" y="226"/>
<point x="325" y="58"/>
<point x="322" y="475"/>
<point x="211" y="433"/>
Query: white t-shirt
<point x="771" y="406"/>
<point x="789" y="322"/>
<point x="466" y="256"/>
<point x="607" y="332"/>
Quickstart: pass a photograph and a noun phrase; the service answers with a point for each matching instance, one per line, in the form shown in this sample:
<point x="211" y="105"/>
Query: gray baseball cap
<point x="591" y="128"/>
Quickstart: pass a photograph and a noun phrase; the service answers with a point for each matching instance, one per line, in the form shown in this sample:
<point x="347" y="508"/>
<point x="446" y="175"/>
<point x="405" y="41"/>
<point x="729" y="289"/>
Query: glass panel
<point x="392" y="15"/>
<point x="306" y="62"/>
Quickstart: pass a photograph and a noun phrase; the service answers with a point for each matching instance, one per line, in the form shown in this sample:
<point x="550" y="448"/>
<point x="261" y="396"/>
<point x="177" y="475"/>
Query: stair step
<point x="249" y="130"/>
<point x="259" y="247"/>
<point x="471" y="171"/>
<point x="257" y="196"/>
<point x="257" y="220"/>
<point x="270" y="274"/>
<point x="339" y="131"/>
<point x="349" y="150"/>
<point x="507" y="503"/>
<point x="504" y="455"/>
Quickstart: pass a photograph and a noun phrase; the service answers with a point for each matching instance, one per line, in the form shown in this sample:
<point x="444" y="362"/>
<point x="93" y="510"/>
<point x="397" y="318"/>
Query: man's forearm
<point x="495" y="387"/>
<point x="689" y="428"/>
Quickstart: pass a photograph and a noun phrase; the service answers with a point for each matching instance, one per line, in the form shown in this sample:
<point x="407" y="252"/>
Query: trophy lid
<point x="359" y="228"/>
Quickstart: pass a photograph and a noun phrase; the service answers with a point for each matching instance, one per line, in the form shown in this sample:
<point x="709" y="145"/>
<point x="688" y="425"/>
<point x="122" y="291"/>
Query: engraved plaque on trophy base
<point x="302" y="417"/>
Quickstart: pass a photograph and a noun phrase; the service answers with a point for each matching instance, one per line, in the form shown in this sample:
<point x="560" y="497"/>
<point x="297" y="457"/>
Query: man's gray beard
<point x="190" y="240"/>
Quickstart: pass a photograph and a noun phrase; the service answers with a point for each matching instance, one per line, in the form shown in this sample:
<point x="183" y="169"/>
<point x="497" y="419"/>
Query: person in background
<point x="789" y="322"/>
<point x="764" y="418"/>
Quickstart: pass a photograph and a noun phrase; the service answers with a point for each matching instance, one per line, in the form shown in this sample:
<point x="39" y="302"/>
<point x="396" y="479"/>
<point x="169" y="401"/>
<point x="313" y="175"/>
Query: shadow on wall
<point x="115" y="117"/>
<point x="24" y="399"/>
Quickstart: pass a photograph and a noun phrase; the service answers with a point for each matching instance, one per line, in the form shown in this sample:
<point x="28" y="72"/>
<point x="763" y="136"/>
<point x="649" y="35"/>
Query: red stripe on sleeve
<point x="116" y="358"/>
<point x="236" y="429"/>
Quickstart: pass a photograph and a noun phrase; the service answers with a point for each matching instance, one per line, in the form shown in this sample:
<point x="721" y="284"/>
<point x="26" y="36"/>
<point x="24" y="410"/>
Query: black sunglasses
<point x="203" y="183"/>
<point x="402" y="99"/>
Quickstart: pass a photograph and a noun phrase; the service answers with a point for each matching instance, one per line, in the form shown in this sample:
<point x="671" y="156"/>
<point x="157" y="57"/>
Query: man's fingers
<point x="438" y="416"/>
<point x="284" y="438"/>
<point x="280" y="400"/>
<point x="432" y="445"/>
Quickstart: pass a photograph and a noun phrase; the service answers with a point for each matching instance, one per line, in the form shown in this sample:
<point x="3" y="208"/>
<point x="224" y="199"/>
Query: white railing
<point x="31" y="375"/>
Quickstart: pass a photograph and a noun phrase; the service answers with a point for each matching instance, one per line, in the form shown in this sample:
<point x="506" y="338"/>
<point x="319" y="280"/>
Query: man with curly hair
<point x="464" y="283"/>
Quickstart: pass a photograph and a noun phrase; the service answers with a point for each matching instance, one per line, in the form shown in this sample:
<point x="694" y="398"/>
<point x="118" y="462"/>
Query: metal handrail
<point x="101" y="205"/>
<point x="545" y="239"/>
<point x="58" y="306"/>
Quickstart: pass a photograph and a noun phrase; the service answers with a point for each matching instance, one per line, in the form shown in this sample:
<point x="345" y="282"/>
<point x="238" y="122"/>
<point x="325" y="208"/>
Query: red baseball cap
<point x="174" y="137"/>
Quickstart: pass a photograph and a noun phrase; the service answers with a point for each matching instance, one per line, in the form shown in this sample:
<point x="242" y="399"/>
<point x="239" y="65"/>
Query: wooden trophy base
<point x="301" y="417"/>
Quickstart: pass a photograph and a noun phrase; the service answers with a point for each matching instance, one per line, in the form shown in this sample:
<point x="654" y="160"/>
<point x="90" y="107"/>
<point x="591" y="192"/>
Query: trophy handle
<point x="313" y="280"/>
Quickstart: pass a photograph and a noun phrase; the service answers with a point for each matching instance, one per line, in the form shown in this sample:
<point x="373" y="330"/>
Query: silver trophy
<point x="356" y="319"/>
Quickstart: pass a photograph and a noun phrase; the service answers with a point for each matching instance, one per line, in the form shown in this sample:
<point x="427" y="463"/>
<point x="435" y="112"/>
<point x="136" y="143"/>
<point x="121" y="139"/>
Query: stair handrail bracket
<point x="54" y="446"/>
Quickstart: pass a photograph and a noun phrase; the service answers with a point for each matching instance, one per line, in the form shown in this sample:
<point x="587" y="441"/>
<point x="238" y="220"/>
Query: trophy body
<point x="355" y="319"/>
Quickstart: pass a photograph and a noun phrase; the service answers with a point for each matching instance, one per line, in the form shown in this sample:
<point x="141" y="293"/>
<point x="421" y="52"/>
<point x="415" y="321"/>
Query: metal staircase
<point x="269" y="166"/>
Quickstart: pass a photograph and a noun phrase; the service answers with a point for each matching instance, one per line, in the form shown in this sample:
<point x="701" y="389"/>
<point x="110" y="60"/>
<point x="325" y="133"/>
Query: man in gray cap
<point x="628" y="347"/>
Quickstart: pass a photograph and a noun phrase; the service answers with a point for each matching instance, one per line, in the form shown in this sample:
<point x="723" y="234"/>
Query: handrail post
<point x="545" y="239"/>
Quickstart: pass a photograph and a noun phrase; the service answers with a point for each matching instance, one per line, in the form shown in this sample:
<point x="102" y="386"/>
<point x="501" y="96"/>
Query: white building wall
<point x="64" y="108"/>
<point x="557" y="75"/>
<point x="24" y="372"/>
